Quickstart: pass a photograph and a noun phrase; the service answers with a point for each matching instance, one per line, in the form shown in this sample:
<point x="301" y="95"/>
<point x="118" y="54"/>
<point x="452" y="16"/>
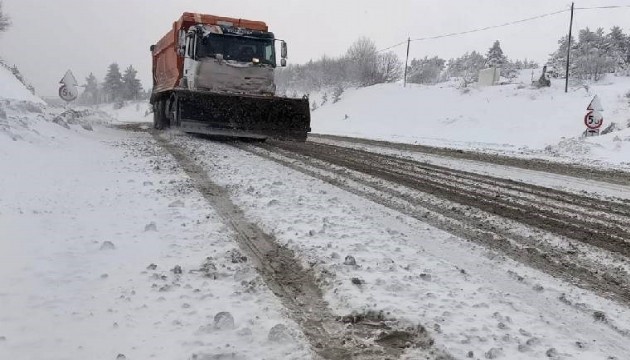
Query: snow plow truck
<point x="215" y="75"/>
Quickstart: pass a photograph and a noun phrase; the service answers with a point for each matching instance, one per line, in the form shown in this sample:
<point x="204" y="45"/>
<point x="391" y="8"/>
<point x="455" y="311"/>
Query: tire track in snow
<point x="331" y="337"/>
<point x="453" y="216"/>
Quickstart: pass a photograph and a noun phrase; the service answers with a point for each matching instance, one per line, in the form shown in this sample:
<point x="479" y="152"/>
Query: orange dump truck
<point x="215" y="75"/>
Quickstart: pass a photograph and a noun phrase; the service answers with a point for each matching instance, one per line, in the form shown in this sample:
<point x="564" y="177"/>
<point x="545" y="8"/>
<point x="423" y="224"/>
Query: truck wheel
<point x="159" y="115"/>
<point x="156" y="115"/>
<point x="172" y="117"/>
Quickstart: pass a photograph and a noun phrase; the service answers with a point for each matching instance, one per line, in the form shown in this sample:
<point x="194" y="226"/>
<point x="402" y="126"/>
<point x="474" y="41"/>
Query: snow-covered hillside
<point x="517" y="119"/>
<point x="11" y="88"/>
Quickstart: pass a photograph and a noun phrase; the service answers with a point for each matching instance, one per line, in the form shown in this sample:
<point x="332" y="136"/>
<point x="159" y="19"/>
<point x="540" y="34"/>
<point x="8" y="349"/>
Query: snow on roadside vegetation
<point x="11" y="88"/>
<point x="129" y="112"/>
<point x="515" y="119"/>
<point x="108" y="252"/>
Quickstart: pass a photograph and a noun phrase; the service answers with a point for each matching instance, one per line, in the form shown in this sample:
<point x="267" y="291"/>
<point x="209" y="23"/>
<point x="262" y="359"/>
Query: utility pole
<point x="566" y="78"/>
<point x="406" y="62"/>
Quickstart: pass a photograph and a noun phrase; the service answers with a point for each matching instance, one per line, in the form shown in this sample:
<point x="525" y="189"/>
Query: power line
<point x="492" y="27"/>
<point x="393" y="46"/>
<point x="478" y="29"/>
<point x="505" y="24"/>
<point x="603" y="7"/>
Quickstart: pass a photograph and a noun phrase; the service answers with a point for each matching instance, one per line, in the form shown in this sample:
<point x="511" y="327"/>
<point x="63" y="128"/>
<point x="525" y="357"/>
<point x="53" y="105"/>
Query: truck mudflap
<point x="242" y="115"/>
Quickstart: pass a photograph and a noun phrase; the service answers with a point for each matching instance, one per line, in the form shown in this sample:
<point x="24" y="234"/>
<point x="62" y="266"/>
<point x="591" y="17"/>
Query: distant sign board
<point x="489" y="77"/>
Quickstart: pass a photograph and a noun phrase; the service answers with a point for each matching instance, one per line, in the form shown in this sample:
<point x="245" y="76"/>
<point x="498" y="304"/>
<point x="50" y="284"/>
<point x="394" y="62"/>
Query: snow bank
<point x="514" y="118"/>
<point x="131" y="112"/>
<point x="12" y="88"/>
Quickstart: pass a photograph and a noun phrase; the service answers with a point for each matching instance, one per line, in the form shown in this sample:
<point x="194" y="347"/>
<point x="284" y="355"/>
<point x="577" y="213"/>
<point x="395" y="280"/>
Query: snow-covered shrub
<point x="16" y="72"/>
<point x="425" y="71"/>
<point x="337" y="93"/>
<point x="324" y="98"/>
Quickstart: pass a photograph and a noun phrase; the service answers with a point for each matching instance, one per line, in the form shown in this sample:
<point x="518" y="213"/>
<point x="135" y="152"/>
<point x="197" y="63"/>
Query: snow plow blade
<point x="243" y="115"/>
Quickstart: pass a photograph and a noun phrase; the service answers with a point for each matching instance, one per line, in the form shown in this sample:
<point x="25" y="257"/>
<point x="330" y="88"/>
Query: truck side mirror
<point x="152" y="48"/>
<point x="283" y="49"/>
<point x="283" y="62"/>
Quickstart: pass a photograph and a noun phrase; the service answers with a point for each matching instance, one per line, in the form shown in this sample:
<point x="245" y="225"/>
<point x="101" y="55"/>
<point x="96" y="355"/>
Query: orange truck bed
<point x="168" y="64"/>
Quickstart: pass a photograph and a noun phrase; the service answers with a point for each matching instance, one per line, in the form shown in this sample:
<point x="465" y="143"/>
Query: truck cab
<point x="214" y="75"/>
<point x="223" y="58"/>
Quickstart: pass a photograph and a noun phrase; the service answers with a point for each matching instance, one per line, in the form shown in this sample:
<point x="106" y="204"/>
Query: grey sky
<point x="50" y="36"/>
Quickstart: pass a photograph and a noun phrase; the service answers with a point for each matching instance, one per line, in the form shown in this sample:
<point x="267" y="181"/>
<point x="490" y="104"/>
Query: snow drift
<point x="515" y="118"/>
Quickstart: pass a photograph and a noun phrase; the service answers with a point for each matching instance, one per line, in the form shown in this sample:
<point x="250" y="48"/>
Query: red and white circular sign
<point x="67" y="94"/>
<point x="593" y="119"/>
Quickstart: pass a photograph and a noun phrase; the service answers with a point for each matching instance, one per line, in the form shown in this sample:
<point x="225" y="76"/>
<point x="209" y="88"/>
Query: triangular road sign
<point x="69" y="80"/>
<point x="595" y="104"/>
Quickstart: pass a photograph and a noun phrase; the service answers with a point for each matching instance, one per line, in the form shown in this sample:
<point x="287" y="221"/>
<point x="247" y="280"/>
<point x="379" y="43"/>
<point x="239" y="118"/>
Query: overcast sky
<point x="50" y="36"/>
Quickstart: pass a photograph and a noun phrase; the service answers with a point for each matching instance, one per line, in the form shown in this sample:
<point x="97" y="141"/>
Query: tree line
<point x="5" y="22"/>
<point x="363" y="65"/>
<point x="115" y="88"/>
<point x="593" y="54"/>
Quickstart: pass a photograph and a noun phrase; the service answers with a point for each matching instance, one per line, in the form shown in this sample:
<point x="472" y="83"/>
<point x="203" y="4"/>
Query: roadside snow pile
<point x="608" y="149"/>
<point x="22" y="120"/>
<point x="25" y="117"/>
<point x="515" y="118"/>
<point x="129" y="112"/>
<point x="12" y="88"/>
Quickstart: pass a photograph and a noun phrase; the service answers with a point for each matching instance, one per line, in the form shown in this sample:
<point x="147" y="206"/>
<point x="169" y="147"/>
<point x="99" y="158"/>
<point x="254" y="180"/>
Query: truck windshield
<point x="237" y="48"/>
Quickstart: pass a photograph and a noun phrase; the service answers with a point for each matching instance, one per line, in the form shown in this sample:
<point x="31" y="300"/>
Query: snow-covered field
<point x="108" y="251"/>
<point x="514" y="119"/>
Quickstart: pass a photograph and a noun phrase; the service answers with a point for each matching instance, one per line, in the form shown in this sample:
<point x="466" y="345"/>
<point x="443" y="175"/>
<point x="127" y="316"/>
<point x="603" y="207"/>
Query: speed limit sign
<point x="66" y="93"/>
<point x="593" y="119"/>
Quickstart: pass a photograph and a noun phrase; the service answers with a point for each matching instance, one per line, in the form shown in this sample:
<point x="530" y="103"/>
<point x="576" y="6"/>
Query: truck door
<point x="188" y="80"/>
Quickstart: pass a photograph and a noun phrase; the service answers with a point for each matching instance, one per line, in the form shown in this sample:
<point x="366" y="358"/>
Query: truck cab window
<point x="237" y="48"/>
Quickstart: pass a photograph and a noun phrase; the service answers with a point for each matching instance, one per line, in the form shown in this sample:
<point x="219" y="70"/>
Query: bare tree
<point x="390" y="68"/>
<point x="4" y="20"/>
<point x="363" y="57"/>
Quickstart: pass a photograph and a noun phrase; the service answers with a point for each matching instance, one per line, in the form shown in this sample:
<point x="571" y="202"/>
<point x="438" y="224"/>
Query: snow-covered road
<point x="111" y="245"/>
<point x="475" y="301"/>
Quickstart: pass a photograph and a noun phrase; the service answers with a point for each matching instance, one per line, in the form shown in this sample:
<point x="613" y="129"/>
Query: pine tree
<point x="617" y="45"/>
<point x="466" y="67"/>
<point x="495" y="56"/>
<point x="131" y="85"/>
<point x="4" y="20"/>
<point x="90" y="94"/>
<point x="113" y="85"/>
<point x="592" y="60"/>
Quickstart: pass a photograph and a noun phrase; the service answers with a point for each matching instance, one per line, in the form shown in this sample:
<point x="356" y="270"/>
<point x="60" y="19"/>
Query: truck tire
<point x="173" y="116"/>
<point x="159" y="115"/>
